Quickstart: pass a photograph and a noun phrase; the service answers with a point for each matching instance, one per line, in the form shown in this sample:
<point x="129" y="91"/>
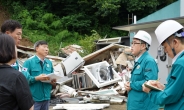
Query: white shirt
<point x="174" y="59"/>
<point x="137" y="58"/>
<point x="40" y="59"/>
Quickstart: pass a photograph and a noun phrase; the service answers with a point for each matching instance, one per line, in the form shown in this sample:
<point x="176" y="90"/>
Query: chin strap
<point x="174" y="52"/>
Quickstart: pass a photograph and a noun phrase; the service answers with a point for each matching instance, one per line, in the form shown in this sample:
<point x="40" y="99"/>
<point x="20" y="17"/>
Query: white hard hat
<point x="144" y="36"/>
<point x="166" y="29"/>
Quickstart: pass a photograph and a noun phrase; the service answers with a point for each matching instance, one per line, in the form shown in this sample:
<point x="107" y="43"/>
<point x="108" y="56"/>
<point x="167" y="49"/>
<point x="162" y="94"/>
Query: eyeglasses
<point x="133" y="43"/>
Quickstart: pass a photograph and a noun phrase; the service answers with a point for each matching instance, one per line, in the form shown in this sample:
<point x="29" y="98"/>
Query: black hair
<point x="146" y="44"/>
<point x="7" y="48"/>
<point x="40" y="42"/>
<point x="142" y="42"/>
<point x="10" y="25"/>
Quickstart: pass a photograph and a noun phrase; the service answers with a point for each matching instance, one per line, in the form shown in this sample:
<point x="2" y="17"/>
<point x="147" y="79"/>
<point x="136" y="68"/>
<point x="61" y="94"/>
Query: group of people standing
<point x="170" y="35"/>
<point x="23" y="87"/>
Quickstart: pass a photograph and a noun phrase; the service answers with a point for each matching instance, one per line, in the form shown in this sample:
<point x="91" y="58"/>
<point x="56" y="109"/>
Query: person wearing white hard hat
<point x="145" y="68"/>
<point x="170" y="35"/>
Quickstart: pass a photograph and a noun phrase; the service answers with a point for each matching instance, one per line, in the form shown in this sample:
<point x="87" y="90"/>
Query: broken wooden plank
<point x="103" y="53"/>
<point x="33" y="53"/>
<point x="25" y="48"/>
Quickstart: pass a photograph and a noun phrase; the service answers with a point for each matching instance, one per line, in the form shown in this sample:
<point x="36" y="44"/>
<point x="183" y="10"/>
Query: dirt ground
<point x="26" y="42"/>
<point x="3" y="14"/>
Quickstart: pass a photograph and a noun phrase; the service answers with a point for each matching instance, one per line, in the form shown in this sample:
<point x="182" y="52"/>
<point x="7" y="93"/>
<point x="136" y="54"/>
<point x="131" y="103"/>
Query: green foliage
<point x="16" y="14"/>
<point x="107" y="7"/>
<point x="34" y="35"/>
<point x="66" y="37"/>
<point x="63" y="35"/>
<point x="30" y="23"/>
<point x="43" y="26"/>
<point x="137" y="5"/>
<point x="71" y="21"/>
<point x="48" y="18"/>
<point x="88" y="43"/>
<point x="56" y="24"/>
<point x="75" y="22"/>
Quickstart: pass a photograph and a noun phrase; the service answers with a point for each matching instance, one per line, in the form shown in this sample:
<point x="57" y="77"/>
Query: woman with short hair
<point x="14" y="89"/>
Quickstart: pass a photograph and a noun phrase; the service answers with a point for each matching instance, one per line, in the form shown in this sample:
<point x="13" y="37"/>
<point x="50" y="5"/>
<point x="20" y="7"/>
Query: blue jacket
<point x="40" y="90"/>
<point x="144" y="69"/>
<point x="173" y="95"/>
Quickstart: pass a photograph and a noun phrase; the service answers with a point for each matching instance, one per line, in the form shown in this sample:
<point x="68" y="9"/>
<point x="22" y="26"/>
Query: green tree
<point x="68" y="21"/>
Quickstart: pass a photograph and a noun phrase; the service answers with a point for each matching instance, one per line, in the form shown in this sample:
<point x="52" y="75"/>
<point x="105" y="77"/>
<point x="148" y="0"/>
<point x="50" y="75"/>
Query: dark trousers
<point x="43" y="105"/>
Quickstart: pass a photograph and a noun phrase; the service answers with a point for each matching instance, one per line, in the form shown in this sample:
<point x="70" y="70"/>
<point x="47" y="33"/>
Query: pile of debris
<point x="96" y="78"/>
<point x="64" y="52"/>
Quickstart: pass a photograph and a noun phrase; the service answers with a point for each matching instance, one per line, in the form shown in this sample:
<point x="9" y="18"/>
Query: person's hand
<point x="42" y="77"/>
<point x="53" y="81"/>
<point x="157" y="84"/>
<point x="154" y="83"/>
<point x="145" y="89"/>
<point x="127" y="86"/>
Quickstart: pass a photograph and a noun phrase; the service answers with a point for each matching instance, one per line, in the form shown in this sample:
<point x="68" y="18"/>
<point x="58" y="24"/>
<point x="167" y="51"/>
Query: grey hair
<point x="40" y="42"/>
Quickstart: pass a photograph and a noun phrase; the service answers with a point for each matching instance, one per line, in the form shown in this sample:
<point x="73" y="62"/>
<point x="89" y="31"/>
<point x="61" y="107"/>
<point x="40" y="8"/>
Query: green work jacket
<point x="144" y="69"/>
<point x="16" y="66"/>
<point x="173" y="94"/>
<point x="32" y="68"/>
